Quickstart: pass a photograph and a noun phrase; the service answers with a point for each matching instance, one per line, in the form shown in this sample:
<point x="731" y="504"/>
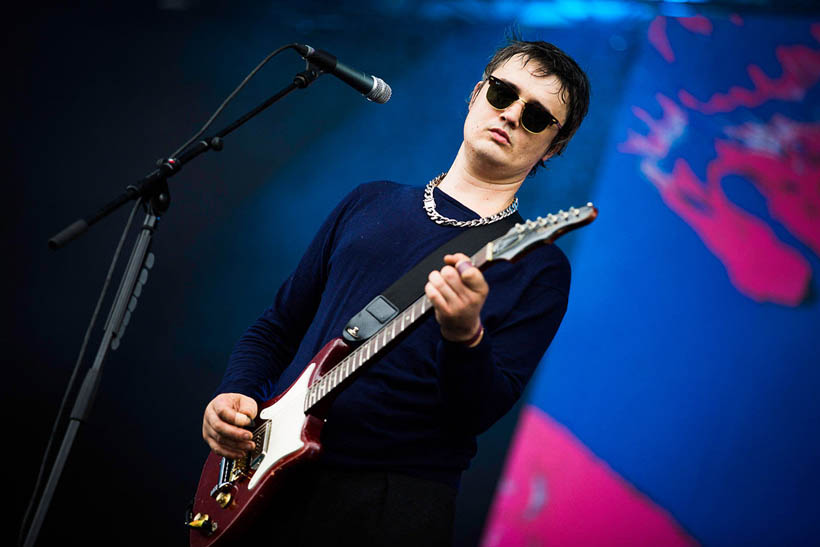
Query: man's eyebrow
<point x="518" y="90"/>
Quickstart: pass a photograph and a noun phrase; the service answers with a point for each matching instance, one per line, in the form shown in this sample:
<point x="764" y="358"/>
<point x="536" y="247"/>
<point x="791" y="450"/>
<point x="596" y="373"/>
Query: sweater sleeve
<point x="269" y="345"/>
<point x="481" y="384"/>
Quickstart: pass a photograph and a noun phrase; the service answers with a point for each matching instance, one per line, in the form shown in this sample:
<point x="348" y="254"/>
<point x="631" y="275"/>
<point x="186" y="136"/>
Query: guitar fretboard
<point x="375" y="345"/>
<point x="514" y="243"/>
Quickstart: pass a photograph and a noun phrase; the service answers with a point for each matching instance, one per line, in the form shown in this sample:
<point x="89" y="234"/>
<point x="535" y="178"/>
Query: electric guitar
<point x="232" y="492"/>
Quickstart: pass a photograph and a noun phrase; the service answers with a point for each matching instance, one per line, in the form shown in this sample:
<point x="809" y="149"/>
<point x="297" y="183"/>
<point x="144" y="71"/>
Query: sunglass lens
<point x="535" y="119"/>
<point x="500" y="95"/>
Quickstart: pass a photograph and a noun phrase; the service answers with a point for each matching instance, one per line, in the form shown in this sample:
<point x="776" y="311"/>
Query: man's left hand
<point x="457" y="292"/>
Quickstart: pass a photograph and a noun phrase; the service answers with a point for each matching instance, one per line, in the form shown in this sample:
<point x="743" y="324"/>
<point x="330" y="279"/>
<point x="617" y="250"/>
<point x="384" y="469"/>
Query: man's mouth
<point x="500" y="135"/>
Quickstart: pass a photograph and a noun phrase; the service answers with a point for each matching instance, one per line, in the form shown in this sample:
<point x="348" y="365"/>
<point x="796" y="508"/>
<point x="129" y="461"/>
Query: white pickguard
<point x="287" y="417"/>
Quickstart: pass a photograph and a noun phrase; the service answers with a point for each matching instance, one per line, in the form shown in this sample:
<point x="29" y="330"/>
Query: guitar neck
<point x="521" y="239"/>
<point x="377" y="345"/>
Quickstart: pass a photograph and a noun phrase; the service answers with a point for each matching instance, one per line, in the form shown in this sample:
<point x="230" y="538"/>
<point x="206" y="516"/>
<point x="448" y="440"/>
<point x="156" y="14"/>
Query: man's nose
<point x="512" y="113"/>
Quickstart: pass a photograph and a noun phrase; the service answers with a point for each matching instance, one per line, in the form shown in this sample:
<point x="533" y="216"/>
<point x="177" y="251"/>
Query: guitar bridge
<point x="230" y="470"/>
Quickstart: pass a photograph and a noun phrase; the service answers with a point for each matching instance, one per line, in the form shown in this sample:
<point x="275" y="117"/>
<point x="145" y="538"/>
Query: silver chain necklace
<point x="430" y="207"/>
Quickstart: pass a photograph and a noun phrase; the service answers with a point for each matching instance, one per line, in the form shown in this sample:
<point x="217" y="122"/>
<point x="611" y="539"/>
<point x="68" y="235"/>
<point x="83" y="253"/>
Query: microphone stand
<point x="153" y="191"/>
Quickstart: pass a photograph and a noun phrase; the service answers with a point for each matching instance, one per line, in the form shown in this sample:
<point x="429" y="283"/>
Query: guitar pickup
<point x="231" y="470"/>
<point x="260" y="440"/>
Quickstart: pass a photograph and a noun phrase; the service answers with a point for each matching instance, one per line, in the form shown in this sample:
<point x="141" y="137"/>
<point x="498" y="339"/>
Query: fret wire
<point x="350" y="364"/>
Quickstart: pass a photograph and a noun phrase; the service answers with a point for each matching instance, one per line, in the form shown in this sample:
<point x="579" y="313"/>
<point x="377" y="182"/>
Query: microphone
<point x="372" y="87"/>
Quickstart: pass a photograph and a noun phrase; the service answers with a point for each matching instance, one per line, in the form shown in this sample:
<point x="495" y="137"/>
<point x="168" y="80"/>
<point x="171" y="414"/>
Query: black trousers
<point x="326" y="506"/>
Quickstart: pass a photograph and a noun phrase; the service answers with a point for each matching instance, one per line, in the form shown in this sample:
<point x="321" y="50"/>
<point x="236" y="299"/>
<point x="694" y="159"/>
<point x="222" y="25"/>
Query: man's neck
<point x="479" y="190"/>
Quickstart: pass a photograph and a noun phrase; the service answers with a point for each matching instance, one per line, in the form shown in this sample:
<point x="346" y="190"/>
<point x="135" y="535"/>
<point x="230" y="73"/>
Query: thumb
<point x="247" y="407"/>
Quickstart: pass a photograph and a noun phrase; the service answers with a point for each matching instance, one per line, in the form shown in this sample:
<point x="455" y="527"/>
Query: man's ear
<point x="547" y="156"/>
<point x="474" y="94"/>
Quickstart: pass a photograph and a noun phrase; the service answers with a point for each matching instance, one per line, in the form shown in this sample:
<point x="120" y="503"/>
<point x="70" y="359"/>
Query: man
<point x="397" y="439"/>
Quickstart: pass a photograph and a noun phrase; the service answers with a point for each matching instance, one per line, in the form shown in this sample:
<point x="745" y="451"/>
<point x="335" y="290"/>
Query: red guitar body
<point x="233" y="493"/>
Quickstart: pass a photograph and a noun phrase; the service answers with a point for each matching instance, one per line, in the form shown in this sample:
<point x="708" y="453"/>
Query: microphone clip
<point x="307" y="76"/>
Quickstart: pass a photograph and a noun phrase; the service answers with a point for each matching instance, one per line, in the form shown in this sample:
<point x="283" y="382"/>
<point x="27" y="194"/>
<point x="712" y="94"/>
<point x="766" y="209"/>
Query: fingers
<point x="457" y="292"/>
<point x="468" y="274"/>
<point x="223" y="422"/>
<point x="444" y="285"/>
<point x="225" y="445"/>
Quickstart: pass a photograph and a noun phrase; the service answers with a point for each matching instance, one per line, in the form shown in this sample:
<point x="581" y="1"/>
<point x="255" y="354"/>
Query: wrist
<point x="476" y="338"/>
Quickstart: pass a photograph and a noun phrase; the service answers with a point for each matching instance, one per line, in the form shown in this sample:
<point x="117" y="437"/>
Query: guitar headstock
<point x="523" y="237"/>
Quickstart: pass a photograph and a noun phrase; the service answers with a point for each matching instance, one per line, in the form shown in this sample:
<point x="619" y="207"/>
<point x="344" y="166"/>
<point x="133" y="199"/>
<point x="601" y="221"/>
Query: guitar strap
<point x="410" y="286"/>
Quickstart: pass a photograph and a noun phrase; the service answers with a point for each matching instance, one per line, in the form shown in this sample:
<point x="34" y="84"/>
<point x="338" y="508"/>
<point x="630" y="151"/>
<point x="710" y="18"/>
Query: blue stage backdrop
<point x="679" y="401"/>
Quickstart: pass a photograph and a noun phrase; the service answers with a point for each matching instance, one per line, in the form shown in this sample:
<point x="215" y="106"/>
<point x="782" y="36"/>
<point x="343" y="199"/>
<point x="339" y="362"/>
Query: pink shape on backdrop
<point x="555" y="491"/>
<point x="782" y="160"/>
<point x="663" y="132"/>
<point x="736" y="19"/>
<point x="657" y="37"/>
<point x="800" y="71"/>
<point x="698" y="24"/>
<point x="758" y="263"/>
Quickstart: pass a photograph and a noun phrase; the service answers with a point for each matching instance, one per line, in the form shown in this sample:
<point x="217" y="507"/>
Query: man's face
<point x="495" y="139"/>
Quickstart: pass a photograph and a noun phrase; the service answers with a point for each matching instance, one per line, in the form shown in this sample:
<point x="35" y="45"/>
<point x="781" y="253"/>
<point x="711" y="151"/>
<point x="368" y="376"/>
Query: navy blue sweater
<point x="418" y="409"/>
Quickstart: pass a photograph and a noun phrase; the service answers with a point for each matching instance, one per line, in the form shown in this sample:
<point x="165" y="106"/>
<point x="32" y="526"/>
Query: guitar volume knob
<point x="203" y="523"/>
<point x="224" y="499"/>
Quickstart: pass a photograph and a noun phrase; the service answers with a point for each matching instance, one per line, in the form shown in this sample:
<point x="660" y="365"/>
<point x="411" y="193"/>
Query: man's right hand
<point x="223" y="423"/>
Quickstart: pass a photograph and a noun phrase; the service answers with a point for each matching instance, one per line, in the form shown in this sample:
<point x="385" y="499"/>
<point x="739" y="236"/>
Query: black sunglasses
<point x="534" y="118"/>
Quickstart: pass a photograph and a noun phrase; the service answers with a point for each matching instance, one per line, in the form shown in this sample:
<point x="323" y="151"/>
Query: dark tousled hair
<point x="550" y="61"/>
